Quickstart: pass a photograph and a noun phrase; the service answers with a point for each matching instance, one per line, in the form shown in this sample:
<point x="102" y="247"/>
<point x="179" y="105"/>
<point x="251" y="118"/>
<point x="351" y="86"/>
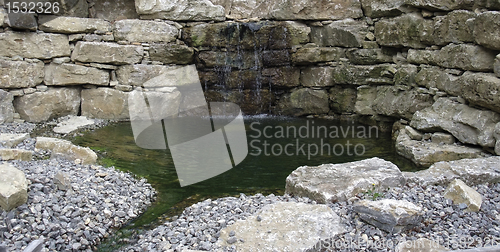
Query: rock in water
<point x="284" y="226"/>
<point x="390" y="215"/>
<point x="13" y="187"/>
<point x="460" y="193"/>
<point x="339" y="182"/>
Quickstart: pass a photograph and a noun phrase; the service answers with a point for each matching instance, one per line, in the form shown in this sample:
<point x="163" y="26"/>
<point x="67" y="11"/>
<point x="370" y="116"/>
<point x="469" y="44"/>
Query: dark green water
<point x="258" y="173"/>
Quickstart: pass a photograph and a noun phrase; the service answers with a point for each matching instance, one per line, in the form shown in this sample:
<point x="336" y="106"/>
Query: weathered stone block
<point x="112" y="10"/>
<point x="316" y="77"/>
<point x="440" y="137"/>
<point x="20" y="74"/>
<point x="10" y="140"/>
<point x="144" y="31"/>
<point x="21" y="21"/>
<point x="292" y="9"/>
<point x="371" y="56"/>
<point x="468" y="125"/>
<point x="435" y="77"/>
<point x="347" y="74"/>
<point x="16" y="154"/>
<point x="308" y="55"/>
<point x="65" y="149"/>
<point x="136" y="75"/>
<point x="304" y="101"/>
<point x="487" y="29"/>
<point x="344" y="33"/>
<point x="6" y="107"/>
<point x="407" y="30"/>
<point x="281" y="77"/>
<point x="102" y="52"/>
<point x="105" y="103"/>
<point x="390" y="215"/>
<point x="406" y="75"/>
<point x="342" y="100"/>
<point x="381" y="8"/>
<point x="71" y="74"/>
<point x="338" y="182"/>
<point x="184" y="10"/>
<point x="53" y="103"/>
<point x="400" y="101"/>
<point x="364" y="101"/>
<point x="460" y="193"/>
<point x="466" y="57"/>
<point x="171" y="53"/>
<point x="440" y="5"/>
<point x="72" y="24"/>
<point x="13" y="187"/>
<point x="276" y="58"/>
<point x="34" y="45"/>
<point x="455" y="27"/>
<point x="428" y="57"/>
<point x="481" y="89"/>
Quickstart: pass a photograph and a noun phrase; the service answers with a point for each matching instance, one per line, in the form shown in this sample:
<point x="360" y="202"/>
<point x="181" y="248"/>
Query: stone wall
<point x="371" y="59"/>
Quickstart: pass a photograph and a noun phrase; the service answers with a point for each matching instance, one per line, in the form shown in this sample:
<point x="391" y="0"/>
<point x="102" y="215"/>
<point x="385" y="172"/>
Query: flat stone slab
<point x="339" y="182"/>
<point x="11" y="140"/>
<point x="284" y="226"/>
<point x="13" y="187"/>
<point x="425" y="154"/>
<point x="65" y="149"/>
<point x="390" y="215"/>
<point x="72" y="124"/>
<point x="16" y="154"/>
<point x="475" y="171"/>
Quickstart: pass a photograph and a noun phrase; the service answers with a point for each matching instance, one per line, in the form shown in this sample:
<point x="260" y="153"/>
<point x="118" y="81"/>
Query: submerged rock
<point x="339" y="182"/>
<point x="460" y="193"/>
<point x="283" y="226"/>
<point x="13" y="187"/>
<point x="390" y="215"/>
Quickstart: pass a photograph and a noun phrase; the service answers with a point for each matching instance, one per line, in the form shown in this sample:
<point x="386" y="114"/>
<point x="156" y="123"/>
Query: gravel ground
<point x="98" y="201"/>
<point x="199" y="225"/>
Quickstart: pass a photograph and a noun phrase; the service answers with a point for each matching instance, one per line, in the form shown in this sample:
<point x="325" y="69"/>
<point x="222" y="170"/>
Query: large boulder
<point x="72" y="74"/>
<point x="68" y="25"/>
<point x="144" y="31"/>
<point x="183" y="10"/>
<point x="65" y="149"/>
<point x="487" y="29"/>
<point x="460" y="193"/>
<point x="424" y="153"/>
<point x="6" y="107"/>
<point x="20" y="74"/>
<point x="304" y="101"/>
<point x="466" y="57"/>
<point x="283" y="226"/>
<point x="53" y="103"/>
<point x="105" y="103"/>
<point x="339" y="182"/>
<point x="110" y="53"/>
<point x="481" y="89"/>
<point x="468" y="125"/>
<point x="13" y="187"/>
<point x="454" y="27"/>
<point x="407" y="30"/>
<point x="400" y="101"/>
<point x="34" y="45"/>
<point x="292" y="9"/>
<point x="344" y="33"/>
<point x="475" y="171"/>
<point x="390" y="215"/>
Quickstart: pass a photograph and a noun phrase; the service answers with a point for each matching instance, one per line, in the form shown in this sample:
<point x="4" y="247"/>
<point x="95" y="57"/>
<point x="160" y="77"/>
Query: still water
<point x="276" y="147"/>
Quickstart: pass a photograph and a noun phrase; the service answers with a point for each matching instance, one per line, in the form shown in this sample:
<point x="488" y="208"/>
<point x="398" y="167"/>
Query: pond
<point x="276" y="147"/>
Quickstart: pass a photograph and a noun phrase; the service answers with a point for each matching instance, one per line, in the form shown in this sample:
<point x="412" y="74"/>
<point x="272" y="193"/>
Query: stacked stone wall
<point x="371" y="59"/>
